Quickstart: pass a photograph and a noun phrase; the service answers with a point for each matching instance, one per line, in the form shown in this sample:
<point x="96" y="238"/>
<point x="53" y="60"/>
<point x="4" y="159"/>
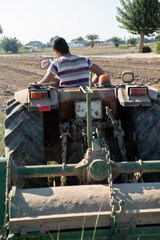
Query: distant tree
<point x="117" y="41"/>
<point x="14" y="45"/>
<point x="80" y="39"/>
<point x="1" y="30"/>
<point x="132" y="41"/>
<point x="92" y="39"/>
<point x="5" y="44"/>
<point x="9" y="44"/>
<point x="49" y="44"/>
<point x="139" y="16"/>
<point x="20" y="45"/>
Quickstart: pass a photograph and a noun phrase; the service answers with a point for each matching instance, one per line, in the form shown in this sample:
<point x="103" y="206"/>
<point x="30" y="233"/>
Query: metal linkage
<point x="86" y="90"/>
<point x="118" y="133"/>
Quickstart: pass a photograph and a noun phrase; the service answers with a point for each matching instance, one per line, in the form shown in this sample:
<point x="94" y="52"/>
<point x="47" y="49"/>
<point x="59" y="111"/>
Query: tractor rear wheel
<point x="147" y="126"/>
<point x="24" y="138"/>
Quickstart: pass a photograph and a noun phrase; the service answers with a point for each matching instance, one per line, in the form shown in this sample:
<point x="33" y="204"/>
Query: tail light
<point x="38" y="94"/>
<point x="138" y="91"/>
<point x="44" y="108"/>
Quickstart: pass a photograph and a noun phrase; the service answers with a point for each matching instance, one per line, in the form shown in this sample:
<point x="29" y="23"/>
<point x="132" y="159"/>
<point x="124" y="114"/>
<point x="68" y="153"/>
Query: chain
<point x="111" y="191"/>
<point x="112" y="200"/>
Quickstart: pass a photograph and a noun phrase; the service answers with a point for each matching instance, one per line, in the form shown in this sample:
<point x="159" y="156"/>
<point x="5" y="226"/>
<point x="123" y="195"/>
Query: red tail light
<point x="39" y="95"/>
<point x="138" y="91"/>
<point x="45" y="108"/>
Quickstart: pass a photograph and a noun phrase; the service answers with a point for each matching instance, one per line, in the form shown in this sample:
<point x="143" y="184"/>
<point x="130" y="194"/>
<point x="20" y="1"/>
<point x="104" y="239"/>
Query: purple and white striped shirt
<point x="72" y="70"/>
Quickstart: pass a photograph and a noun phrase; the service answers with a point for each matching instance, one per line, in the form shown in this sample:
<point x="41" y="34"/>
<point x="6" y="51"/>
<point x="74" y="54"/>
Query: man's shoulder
<point x="79" y="58"/>
<point x="71" y="58"/>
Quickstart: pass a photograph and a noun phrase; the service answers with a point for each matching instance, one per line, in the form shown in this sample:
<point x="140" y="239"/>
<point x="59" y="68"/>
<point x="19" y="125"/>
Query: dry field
<point x="17" y="71"/>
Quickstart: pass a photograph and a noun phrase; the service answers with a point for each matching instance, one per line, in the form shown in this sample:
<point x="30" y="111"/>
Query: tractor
<point x="81" y="162"/>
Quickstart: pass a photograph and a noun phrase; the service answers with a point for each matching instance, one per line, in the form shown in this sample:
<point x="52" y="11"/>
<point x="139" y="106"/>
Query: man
<point x="71" y="69"/>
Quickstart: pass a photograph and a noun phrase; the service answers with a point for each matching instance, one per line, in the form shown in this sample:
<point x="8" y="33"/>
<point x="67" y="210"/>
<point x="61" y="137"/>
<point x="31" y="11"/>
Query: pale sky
<point x="42" y="19"/>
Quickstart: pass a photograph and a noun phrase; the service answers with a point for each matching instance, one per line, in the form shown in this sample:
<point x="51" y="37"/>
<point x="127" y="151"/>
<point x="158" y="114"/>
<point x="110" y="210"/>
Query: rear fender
<point x="22" y="96"/>
<point x="153" y="93"/>
<point x="52" y="102"/>
<point x="127" y="100"/>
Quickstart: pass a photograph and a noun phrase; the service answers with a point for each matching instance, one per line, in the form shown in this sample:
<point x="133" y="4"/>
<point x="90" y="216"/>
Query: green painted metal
<point x="125" y="233"/>
<point x="139" y="166"/>
<point x="96" y="145"/>
<point x="96" y="141"/>
<point x="73" y="170"/>
<point x="90" y="79"/>
<point x="76" y="235"/>
<point x="46" y="171"/>
<point x="89" y="120"/>
<point x="3" y="165"/>
<point x="98" y="169"/>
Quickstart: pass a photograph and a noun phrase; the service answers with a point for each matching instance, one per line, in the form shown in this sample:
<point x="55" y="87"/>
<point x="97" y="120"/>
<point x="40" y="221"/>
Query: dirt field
<point x="17" y="71"/>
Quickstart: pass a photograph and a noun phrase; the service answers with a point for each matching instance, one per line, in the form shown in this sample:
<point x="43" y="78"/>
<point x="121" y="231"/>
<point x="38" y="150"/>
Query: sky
<point x="39" y="20"/>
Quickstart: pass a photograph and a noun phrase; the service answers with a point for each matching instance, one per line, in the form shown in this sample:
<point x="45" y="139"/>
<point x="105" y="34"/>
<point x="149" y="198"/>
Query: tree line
<point x="136" y="16"/>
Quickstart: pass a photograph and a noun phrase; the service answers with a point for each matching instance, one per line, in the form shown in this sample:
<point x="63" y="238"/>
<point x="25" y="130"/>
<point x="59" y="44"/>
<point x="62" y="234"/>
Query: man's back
<point x="71" y="69"/>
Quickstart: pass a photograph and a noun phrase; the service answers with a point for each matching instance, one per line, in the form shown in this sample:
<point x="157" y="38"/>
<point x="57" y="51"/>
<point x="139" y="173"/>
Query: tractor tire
<point x="24" y="138"/>
<point x="147" y="127"/>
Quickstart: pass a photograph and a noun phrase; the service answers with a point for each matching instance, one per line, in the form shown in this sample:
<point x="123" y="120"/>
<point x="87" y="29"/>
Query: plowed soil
<point x="17" y="71"/>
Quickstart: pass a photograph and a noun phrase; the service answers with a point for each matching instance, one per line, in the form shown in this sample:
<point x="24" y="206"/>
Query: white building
<point x="34" y="44"/>
<point x="77" y="43"/>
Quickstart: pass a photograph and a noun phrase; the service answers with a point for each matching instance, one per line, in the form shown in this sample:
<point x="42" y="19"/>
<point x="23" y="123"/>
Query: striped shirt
<point x="71" y="69"/>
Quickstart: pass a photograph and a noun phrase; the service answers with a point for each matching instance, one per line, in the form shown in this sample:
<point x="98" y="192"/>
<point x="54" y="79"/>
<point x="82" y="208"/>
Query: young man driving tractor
<point x="70" y="69"/>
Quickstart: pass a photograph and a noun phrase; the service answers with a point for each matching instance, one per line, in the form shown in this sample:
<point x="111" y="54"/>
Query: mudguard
<point x="52" y="102"/>
<point x="127" y="100"/>
<point x="22" y="96"/>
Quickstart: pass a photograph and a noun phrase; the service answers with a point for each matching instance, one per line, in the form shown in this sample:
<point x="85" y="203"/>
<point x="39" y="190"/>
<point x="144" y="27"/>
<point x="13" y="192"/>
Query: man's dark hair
<point x="60" y="45"/>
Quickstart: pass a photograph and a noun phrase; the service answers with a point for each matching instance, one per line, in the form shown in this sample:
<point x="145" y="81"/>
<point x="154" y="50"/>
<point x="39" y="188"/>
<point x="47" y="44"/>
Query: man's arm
<point x="49" y="77"/>
<point x="97" y="72"/>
